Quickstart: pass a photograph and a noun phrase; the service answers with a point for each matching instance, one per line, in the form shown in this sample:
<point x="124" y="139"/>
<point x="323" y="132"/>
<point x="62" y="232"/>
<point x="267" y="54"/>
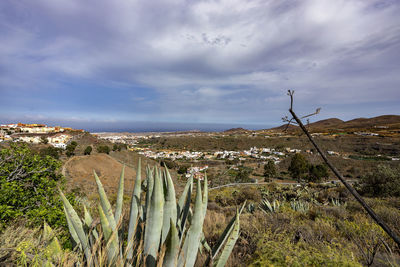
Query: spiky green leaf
<point x="120" y="196"/>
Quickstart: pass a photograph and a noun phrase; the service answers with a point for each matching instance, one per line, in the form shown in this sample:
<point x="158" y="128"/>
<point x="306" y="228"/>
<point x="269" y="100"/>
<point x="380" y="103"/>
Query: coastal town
<point x="199" y="159"/>
<point x="56" y="136"/>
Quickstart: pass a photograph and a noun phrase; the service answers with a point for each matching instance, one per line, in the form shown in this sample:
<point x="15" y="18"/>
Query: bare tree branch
<point x="357" y="196"/>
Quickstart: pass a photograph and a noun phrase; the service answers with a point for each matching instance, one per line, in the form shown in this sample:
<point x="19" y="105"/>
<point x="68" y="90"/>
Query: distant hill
<point x="389" y="121"/>
<point x="236" y="130"/>
<point x="333" y="122"/>
<point x="284" y="127"/>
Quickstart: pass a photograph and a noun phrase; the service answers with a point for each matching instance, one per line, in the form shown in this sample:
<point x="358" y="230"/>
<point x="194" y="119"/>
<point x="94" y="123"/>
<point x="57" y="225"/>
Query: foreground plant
<point x="161" y="231"/>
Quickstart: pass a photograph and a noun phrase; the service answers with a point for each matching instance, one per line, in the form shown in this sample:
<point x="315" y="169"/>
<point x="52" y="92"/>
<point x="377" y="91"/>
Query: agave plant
<point x="298" y="205"/>
<point x="251" y="208"/>
<point x="338" y="203"/>
<point x="161" y="230"/>
<point x="269" y="207"/>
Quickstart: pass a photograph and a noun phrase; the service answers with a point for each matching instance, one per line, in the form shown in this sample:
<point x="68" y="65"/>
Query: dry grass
<point x="20" y="245"/>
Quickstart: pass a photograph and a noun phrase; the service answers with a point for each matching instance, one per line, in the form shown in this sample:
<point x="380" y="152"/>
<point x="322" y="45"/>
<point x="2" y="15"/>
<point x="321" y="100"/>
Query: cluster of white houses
<point x="254" y="152"/>
<point x="36" y="134"/>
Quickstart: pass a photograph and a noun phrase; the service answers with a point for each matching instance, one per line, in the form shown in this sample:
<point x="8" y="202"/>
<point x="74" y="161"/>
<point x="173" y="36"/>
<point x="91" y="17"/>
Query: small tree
<point x="243" y="174"/>
<point x="103" y="149"/>
<point x="88" y="150"/>
<point x="71" y="148"/>
<point x="74" y="144"/>
<point x="317" y="172"/>
<point x="269" y="169"/>
<point x="298" y="166"/>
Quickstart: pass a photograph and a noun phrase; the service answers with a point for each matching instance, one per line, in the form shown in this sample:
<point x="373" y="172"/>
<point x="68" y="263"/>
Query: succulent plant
<point x="269" y="207"/>
<point x="338" y="203"/>
<point x="251" y="208"/>
<point x="161" y="230"/>
<point x="298" y="205"/>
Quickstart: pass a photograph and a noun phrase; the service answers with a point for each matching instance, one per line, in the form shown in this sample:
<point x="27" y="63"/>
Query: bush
<point x="298" y="166"/>
<point x="183" y="169"/>
<point x="51" y="151"/>
<point x="384" y="182"/>
<point x="103" y="149"/>
<point x="317" y="172"/>
<point x="269" y="169"/>
<point x="241" y="175"/>
<point x="28" y="187"/>
<point x="71" y="148"/>
<point x="119" y="147"/>
<point x="88" y="150"/>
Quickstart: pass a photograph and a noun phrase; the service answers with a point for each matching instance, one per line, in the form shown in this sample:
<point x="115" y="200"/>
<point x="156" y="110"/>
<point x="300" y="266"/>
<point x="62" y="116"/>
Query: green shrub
<point x="382" y="182"/>
<point x="278" y="249"/>
<point x="71" y="148"/>
<point x="28" y="187"/>
<point x="51" y="151"/>
<point x="103" y="149"/>
<point x="269" y="169"/>
<point x="317" y="172"/>
<point x="88" y="150"/>
<point x="298" y="166"/>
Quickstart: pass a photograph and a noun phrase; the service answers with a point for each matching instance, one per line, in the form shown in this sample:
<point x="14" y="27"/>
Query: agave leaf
<point x="150" y="185"/>
<point x="154" y="221"/>
<point x="170" y="212"/>
<point x="185" y="213"/>
<point x="105" y="204"/>
<point x="205" y="195"/>
<point x="134" y="213"/>
<point x="204" y="244"/>
<point x="105" y="224"/>
<point x="188" y="255"/>
<point x="183" y="199"/>
<point x="112" y="245"/>
<point x="172" y="244"/>
<point x="72" y="231"/>
<point x="77" y="225"/>
<point x="88" y="222"/>
<point x="120" y="196"/>
<point x="225" y="235"/>
<point x="230" y="243"/>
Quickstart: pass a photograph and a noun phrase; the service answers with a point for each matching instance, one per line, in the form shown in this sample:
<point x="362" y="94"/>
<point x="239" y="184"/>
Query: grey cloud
<point x="208" y="60"/>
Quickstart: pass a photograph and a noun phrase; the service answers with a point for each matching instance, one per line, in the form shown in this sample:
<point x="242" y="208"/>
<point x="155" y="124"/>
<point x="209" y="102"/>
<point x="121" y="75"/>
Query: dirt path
<point x="281" y="183"/>
<point x="64" y="167"/>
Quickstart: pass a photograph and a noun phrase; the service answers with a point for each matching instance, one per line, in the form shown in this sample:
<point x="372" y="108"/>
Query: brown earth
<point x="79" y="173"/>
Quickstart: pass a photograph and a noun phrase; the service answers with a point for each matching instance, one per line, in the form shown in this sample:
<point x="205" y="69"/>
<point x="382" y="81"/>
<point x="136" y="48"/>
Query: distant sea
<point x="140" y="126"/>
<point x="172" y="127"/>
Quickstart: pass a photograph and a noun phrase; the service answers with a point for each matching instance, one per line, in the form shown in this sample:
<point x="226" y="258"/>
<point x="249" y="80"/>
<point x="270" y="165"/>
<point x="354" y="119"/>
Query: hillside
<point x="236" y="130"/>
<point x="78" y="171"/>
<point x="384" y="121"/>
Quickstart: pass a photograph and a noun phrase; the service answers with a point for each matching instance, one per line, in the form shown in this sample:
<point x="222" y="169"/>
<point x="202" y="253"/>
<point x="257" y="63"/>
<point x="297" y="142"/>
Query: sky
<point x="121" y="63"/>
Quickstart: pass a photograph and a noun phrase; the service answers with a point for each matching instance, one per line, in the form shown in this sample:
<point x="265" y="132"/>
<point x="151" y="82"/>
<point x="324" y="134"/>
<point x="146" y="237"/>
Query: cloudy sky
<point x="103" y="62"/>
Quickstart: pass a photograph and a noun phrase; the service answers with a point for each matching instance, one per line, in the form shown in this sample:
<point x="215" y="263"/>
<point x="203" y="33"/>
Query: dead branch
<point x="357" y="196"/>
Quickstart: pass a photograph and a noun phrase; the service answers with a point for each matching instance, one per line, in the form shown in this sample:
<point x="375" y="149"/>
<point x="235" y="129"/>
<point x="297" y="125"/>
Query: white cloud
<point x="207" y="54"/>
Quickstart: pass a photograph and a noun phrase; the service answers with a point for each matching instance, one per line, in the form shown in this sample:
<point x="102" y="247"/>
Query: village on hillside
<point x="56" y="136"/>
